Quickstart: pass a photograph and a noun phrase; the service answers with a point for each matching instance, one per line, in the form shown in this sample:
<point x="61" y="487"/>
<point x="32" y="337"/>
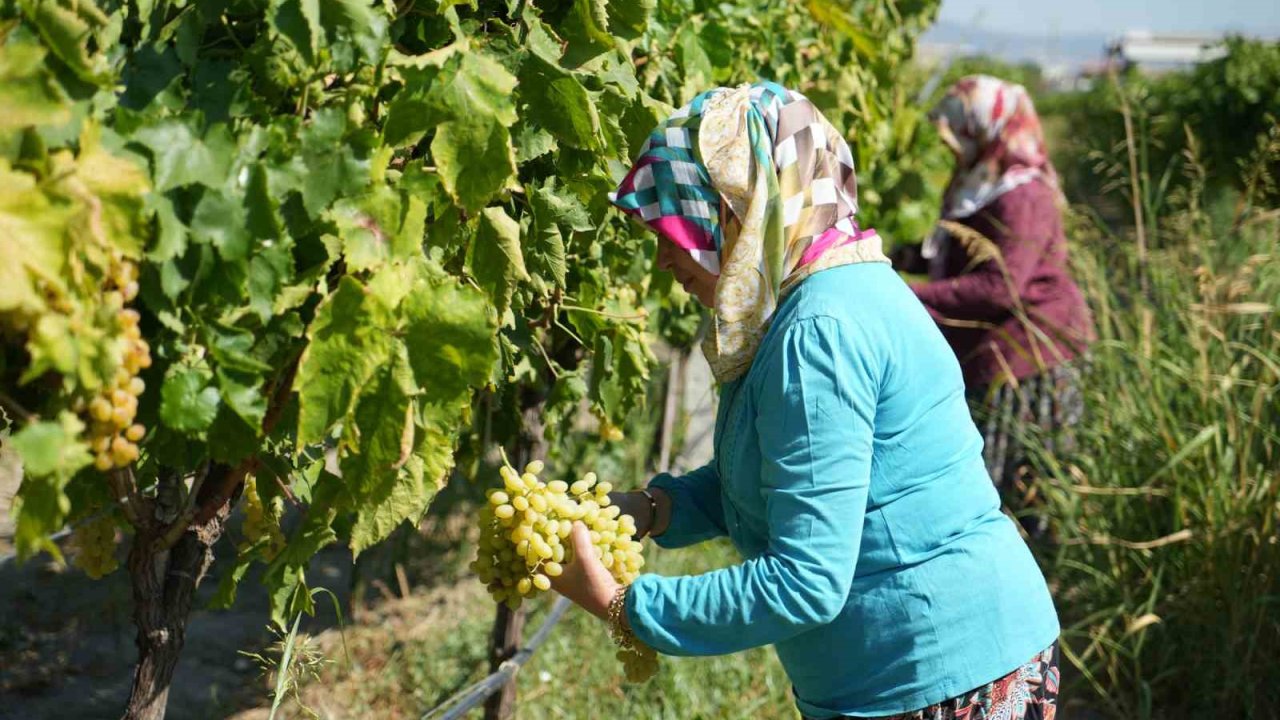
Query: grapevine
<point x="524" y="529"/>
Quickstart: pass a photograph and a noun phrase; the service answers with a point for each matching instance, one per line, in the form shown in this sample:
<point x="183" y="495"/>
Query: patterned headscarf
<point x="996" y="132"/>
<point x="759" y="188"/>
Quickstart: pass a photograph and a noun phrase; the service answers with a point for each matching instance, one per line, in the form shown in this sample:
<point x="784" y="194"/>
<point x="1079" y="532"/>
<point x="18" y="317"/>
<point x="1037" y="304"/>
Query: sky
<point x="1113" y="17"/>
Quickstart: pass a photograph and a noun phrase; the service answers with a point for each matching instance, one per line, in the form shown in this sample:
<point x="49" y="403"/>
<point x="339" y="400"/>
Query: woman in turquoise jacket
<point x="847" y="469"/>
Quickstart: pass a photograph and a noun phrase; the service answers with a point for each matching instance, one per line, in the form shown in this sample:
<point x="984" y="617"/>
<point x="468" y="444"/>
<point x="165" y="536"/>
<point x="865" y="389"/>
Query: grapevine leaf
<point x="225" y="596"/>
<point x="496" y="260"/>
<point x="313" y="533"/>
<point x="561" y="208"/>
<point x="28" y="92"/>
<point x="180" y="157"/>
<point x="347" y="342"/>
<point x="35" y="240"/>
<point x="358" y="20"/>
<point x="450" y="339"/>
<point x="693" y="59"/>
<point x="558" y="102"/>
<point x="378" y="226"/>
<point x="52" y="448"/>
<point x="586" y="29"/>
<point x="233" y="347"/>
<point x="299" y="21"/>
<point x="546" y="254"/>
<point x="464" y="86"/>
<point x="51" y="453"/>
<point x="188" y="402"/>
<point x="243" y="395"/>
<point x="475" y="161"/>
<point x="220" y="220"/>
<point x="533" y="142"/>
<point x="629" y="19"/>
<point x="270" y="269"/>
<point x="67" y="34"/>
<point x="332" y="168"/>
<point x="473" y="85"/>
<point x="171" y="233"/>
<point x="231" y="439"/>
<point x="112" y="186"/>
<point x="375" y="459"/>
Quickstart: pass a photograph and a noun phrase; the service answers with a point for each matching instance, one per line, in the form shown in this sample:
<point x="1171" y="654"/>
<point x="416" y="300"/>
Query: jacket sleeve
<point x="814" y="414"/>
<point x="696" y="513"/>
<point x="1023" y="232"/>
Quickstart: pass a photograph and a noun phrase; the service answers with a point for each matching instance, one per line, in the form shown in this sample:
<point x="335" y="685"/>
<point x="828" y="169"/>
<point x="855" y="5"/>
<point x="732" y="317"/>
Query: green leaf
<point x="360" y="21"/>
<point x="51" y="453"/>
<point x="243" y="395"/>
<point x="67" y="32"/>
<point x="220" y="220"/>
<point x="270" y="269"/>
<point x="377" y="443"/>
<point x="299" y="21"/>
<point x="629" y="19"/>
<point x="331" y="167"/>
<point x="496" y="260"/>
<point x="188" y="402"/>
<point x="450" y="338"/>
<point x="533" y="142"/>
<point x="28" y="92"/>
<point x="225" y="596"/>
<point x="378" y="227"/>
<point x="467" y="85"/>
<point x="52" y="448"/>
<point x="557" y="101"/>
<point x="475" y="161"/>
<point x="346" y="343"/>
<point x="180" y="157"/>
<point x="586" y="29"/>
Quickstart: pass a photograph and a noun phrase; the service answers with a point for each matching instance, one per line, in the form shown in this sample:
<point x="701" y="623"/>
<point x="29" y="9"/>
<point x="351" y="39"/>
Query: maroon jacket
<point x="978" y="309"/>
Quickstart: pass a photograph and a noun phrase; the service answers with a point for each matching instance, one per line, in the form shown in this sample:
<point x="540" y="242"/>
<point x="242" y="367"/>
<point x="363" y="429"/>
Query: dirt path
<point x="66" y="644"/>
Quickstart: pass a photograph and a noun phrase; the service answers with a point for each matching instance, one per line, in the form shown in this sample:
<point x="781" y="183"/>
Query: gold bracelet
<point x="618" y="629"/>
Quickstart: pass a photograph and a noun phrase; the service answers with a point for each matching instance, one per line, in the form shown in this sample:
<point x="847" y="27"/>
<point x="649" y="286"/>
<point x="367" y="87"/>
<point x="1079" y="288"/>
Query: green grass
<point x="412" y="654"/>
<point x="1166" y="567"/>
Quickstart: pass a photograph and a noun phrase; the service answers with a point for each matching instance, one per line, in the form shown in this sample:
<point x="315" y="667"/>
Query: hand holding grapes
<point x="537" y="535"/>
<point x="585" y="580"/>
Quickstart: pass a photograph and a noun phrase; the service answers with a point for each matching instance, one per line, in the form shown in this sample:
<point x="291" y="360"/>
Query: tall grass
<point x="1166" y="560"/>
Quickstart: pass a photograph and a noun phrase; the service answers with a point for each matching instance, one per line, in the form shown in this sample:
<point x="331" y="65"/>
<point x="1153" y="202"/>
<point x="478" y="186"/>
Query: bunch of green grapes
<point x="93" y="546"/>
<point x="113" y="433"/>
<point x="261" y="521"/>
<point x="524" y="531"/>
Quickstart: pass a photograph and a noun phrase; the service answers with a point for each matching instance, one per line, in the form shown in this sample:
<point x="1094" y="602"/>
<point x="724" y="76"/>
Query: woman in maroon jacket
<point x="1006" y="303"/>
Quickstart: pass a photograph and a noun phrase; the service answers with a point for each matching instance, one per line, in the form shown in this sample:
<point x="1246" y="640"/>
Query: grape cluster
<point x="261" y="521"/>
<point x="114" y="434"/>
<point x="524" y="531"/>
<point x="93" y="546"/>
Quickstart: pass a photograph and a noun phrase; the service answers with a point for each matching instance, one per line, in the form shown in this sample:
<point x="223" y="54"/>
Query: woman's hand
<point x="585" y="580"/>
<point x="650" y="521"/>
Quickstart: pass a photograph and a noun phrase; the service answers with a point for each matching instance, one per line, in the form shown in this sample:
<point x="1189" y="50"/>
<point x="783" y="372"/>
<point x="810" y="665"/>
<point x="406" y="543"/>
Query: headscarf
<point x="994" y="126"/>
<point x="759" y="188"/>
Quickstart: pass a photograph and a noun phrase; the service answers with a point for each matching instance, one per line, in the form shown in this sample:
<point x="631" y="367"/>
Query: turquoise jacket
<point x="848" y="473"/>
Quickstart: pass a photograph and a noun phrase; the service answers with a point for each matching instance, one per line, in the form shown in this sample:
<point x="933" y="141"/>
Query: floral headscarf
<point x="996" y="132"/>
<point x="759" y="188"/>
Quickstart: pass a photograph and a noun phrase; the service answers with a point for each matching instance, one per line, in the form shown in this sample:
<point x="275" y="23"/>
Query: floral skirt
<point x="1037" y="414"/>
<point x="1028" y="693"/>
